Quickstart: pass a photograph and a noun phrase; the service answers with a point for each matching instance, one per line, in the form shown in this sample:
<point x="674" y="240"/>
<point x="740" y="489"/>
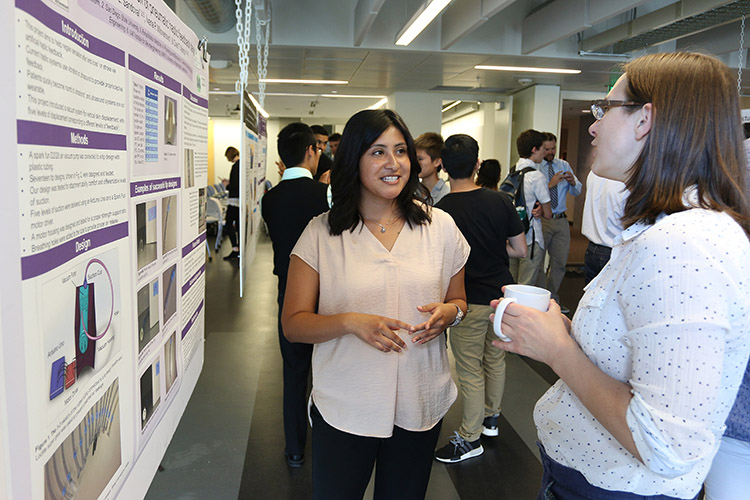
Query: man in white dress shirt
<point x="562" y="181"/>
<point x="602" y="211"/>
<point x="529" y="145"/>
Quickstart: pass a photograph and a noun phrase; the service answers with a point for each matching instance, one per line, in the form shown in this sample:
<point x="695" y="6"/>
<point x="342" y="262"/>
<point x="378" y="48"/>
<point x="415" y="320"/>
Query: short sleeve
<point x="461" y="247"/>
<point x="309" y="243"/>
<point x="515" y="226"/>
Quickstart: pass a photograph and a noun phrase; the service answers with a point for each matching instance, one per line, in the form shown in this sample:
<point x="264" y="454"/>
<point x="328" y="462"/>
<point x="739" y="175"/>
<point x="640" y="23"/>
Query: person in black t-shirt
<point x="491" y="225"/>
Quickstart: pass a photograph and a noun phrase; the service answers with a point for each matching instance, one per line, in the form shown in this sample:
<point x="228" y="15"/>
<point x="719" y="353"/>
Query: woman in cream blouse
<point x="373" y="284"/>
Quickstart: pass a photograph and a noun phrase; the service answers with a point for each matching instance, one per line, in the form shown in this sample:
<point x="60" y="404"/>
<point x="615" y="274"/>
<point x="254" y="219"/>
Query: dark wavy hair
<point x="489" y="174"/>
<point x="695" y="139"/>
<point x="360" y="132"/>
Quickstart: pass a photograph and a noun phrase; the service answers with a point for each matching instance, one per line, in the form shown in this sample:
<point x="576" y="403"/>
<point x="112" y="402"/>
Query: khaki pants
<point x="480" y="367"/>
<point x="526" y="269"/>
<point x="557" y="244"/>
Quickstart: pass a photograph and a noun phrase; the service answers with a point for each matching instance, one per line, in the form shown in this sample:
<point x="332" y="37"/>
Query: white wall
<point x="226" y="133"/>
<point x="471" y="124"/>
<point x="503" y="141"/>
<point x="420" y="111"/>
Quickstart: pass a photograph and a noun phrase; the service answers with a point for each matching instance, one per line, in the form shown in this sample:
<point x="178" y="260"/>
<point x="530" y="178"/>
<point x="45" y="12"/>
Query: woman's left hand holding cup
<point x="535" y="334"/>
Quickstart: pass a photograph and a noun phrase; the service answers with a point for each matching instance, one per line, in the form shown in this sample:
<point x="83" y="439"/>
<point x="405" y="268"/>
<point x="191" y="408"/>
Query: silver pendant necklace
<point x="383" y="227"/>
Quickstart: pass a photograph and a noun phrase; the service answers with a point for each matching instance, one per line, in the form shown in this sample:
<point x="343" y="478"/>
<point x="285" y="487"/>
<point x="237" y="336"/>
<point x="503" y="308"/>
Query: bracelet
<point x="459" y="316"/>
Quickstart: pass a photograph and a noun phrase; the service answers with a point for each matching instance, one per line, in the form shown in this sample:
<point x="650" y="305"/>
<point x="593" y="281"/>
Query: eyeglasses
<point x="601" y="106"/>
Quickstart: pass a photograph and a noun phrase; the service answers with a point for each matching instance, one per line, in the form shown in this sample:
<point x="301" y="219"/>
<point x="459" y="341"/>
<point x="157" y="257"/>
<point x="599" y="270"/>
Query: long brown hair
<point x="695" y="138"/>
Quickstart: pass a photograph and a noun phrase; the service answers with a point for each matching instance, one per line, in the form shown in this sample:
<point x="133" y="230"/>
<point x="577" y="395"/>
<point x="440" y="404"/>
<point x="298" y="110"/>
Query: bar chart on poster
<point x="111" y="155"/>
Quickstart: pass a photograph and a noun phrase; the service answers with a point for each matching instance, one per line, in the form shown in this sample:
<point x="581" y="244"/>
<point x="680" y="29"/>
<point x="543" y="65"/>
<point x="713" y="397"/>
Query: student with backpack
<point x="527" y="186"/>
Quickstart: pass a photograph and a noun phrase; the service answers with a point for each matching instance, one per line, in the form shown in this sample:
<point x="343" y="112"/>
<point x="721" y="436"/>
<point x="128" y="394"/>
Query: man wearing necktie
<point x="556" y="230"/>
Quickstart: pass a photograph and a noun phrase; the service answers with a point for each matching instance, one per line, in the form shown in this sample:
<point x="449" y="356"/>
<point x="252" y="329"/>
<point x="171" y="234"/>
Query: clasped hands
<point x="381" y="332"/>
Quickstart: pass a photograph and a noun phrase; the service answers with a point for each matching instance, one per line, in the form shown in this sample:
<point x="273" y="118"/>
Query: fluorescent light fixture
<point x="317" y="82"/>
<point x="332" y="96"/>
<point x="222" y="92"/>
<point x="529" y="69"/>
<point x="380" y="103"/>
<point x="451" y="106"/>
<point x="420" y="20"/>
<point x="257" y="106"/>
<point x="349" y="96"/>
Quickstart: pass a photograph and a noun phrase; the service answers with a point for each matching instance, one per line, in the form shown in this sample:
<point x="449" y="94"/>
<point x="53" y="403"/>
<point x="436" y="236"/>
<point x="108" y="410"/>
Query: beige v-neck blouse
<point x="357" y="388"/>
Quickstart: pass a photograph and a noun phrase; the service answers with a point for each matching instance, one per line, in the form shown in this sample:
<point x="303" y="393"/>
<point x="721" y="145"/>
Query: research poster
<point x="250" y="192"/>
<point x="112" y="120"/>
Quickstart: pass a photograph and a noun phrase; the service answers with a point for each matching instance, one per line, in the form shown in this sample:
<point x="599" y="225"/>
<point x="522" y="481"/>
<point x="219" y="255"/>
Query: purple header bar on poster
<point x="194" y="98"/>
<point x="69" y="30"/>
<point x="153" y="186"/>
<point x="192" y="321"/>
<point x="193" y="279"/>
<point x="261" y="125"/>
<point x="38" y="264"/>
<point x="193" y="244"/>
<point x="47" y="134"/>
<point x="153" y="74"/>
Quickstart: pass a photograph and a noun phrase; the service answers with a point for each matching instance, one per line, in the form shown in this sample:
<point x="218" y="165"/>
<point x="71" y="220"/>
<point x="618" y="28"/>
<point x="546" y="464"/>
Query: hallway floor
<point x="229" y="443"/>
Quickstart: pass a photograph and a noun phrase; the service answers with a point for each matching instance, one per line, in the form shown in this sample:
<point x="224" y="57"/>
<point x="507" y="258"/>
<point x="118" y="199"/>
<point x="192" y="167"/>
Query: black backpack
<point x="512" y="185"/>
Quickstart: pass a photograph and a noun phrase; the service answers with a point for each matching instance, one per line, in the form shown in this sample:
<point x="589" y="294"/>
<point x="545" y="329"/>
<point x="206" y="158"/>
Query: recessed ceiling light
<point x="420" y="20"/>
<point x="258" y="107"/>
<point x="451" y="105"/>
<point x="378" y="104"/>
<point x="529" y="69"/>
<point x="317" y="82"/>
<point x="331" y="96"/>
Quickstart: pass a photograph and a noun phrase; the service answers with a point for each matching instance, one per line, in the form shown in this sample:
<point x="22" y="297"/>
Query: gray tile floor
<point x="229" y="443"/>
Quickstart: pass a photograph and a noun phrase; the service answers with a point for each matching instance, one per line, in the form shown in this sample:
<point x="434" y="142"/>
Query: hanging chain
<point x="739" y="63"/>
<point x="243" y="41"/>
<point x="262" y="61"/>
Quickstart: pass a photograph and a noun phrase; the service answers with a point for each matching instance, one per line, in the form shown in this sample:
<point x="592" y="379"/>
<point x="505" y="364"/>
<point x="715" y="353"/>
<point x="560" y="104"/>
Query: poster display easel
<point x="104" y="264"/>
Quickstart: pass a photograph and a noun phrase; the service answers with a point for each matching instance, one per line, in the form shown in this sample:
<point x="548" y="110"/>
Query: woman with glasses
<point x="650" y="365"/>
<point x="374" y="283"/>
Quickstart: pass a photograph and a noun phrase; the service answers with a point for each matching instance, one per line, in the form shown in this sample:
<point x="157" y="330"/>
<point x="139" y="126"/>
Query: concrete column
<point x="538" y="107"/>
<point x="421" y="111"/>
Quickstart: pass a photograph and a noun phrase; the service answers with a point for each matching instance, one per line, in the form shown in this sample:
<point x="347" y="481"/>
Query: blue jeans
<point x="563" y="483"/>
<point x="595" y="259"/>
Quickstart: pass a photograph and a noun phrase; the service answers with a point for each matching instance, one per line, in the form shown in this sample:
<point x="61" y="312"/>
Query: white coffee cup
<point x="526" y="295"/>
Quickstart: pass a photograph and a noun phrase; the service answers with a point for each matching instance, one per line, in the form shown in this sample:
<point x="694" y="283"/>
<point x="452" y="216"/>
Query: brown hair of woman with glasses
<point x="652" y="361"/>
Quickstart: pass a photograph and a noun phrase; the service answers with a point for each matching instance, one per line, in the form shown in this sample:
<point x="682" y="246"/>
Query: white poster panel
<point x="111" y="121"/>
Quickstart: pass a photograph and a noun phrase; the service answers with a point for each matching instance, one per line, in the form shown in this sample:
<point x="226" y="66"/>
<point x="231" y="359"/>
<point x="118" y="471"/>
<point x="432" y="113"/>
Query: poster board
<point x="252" y="182"/>
<point x="106" y="270"/>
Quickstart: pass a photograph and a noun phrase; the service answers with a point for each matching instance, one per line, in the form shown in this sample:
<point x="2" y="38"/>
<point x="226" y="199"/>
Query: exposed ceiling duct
<point x="669" y="23"/>
<point x="217" y="16"/>
<point x="686" y="26"/>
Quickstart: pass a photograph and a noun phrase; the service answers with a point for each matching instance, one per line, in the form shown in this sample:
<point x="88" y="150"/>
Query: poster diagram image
<point x="148" y="313"/>
<point x="150" y="395"/>
<point x="169" y="286"/>
<point x="145" y="221"/>
<point x="80" y="308"/>
<point x="170" y="121"/>
<point x="189" y="168"/>
<point x="88" y="458"/>
<point x="201" y="210"/>
<point x="65" y="372"/>
<point x="170" y="362"/>
<point x="169" y="223"/>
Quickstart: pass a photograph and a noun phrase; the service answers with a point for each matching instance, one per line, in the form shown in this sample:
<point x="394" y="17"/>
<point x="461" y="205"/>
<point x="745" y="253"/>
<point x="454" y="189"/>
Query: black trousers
<point x="297" y="360"/>
<point x="594" y="260"/>
<point x="232" y="224"/>
<point x="343" y="462"/>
